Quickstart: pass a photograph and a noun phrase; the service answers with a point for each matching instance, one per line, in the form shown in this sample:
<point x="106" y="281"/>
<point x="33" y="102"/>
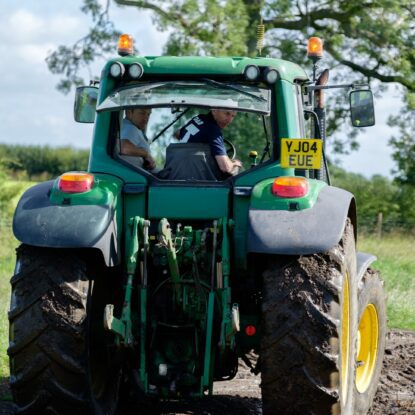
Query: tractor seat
<point x="190" y="161"/>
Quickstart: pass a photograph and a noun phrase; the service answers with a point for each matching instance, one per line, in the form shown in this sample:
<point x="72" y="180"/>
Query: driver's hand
<point x="237" y="163"/>
<point x="177" y="135"/>
<point x="150" y="164"/>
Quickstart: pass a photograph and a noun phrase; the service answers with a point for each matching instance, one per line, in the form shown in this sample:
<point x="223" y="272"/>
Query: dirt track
<point x="396" y="393"/>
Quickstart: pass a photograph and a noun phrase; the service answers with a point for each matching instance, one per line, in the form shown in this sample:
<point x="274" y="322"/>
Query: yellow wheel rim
<point x="345" y="338"/>
<point x="367" y="347"/>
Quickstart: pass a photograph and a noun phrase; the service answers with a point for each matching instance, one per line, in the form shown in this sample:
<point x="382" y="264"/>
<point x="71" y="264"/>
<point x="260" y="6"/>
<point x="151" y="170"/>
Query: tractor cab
<point x="173" y="103"/>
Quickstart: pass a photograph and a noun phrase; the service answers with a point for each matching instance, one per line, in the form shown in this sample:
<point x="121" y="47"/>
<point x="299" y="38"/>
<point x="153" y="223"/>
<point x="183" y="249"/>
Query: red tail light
<point x="290" y="187"/>
<point x="76" y="182"/>
<point x="250" y="330"/>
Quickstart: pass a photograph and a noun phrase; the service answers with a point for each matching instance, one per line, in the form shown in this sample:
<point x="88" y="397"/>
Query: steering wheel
<point x="230" y="149"/>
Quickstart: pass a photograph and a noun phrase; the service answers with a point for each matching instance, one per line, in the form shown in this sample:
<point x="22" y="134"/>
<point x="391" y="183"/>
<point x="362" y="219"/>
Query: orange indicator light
<point x="289" y="187"/>
<point x="76" y="182"/>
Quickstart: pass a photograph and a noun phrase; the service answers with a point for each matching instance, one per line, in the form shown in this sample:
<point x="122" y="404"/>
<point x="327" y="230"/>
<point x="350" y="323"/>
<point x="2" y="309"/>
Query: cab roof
<point x="206" y="65"/>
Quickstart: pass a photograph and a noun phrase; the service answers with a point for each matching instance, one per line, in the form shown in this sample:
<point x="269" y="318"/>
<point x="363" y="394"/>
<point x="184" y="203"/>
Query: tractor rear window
<point x="192" y="131"/>
<point x="208" y="94"/>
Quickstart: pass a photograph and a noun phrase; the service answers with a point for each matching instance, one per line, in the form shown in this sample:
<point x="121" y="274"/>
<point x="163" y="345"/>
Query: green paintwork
<point x="123" y="326"/>
<point x="166" y="237"/>
<point x="143" y="338"/>
<point x="206" y="378"/>
<point x="207" y="65"/>
<point x="188" y="202"/>
<point x="105" y="191"/>
<point x="183" y="253"/>
<point x="132" y="245"/>
<point x="263" y="199"/>
<point x="288" y="127"/>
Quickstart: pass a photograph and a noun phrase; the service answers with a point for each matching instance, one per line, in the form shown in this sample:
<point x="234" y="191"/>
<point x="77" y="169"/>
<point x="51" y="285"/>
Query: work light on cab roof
<point x="117" y="70"/>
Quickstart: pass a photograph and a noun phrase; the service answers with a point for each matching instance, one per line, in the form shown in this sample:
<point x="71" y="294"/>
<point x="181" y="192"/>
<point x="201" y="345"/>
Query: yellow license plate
<point x="301" y="153"/>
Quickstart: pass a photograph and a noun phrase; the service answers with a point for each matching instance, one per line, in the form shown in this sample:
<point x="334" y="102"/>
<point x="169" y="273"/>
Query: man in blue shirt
<point x="207" y="128"/>
<point x="133" y="141"/>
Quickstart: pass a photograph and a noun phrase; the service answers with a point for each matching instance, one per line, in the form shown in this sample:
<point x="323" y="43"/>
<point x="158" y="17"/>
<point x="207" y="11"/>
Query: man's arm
<point x="130" y="149"/>
<point x="226" y="165"/>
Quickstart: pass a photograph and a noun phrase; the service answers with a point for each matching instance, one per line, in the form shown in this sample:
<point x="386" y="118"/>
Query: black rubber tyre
<point x="372" y="326"/>
<point x="58" y="352"/>
<point x="309" y="328"/>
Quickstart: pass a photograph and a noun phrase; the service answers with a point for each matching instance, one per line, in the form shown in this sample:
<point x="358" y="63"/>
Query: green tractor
<point x="159" y="282"/>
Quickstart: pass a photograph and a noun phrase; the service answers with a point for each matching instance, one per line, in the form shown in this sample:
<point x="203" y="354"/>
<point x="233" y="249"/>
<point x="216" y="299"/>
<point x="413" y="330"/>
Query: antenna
<point x="260" y="37"/>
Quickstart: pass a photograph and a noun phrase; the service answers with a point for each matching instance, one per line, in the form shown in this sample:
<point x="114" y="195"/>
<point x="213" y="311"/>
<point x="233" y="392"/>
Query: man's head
<point x="139" y="117"/>
<point x="223" y="117"/>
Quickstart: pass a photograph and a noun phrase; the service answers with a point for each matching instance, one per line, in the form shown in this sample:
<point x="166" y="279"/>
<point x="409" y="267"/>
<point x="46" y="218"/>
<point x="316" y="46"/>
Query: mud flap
<point x="39" y="222"/>
<point x="302" y="232"/>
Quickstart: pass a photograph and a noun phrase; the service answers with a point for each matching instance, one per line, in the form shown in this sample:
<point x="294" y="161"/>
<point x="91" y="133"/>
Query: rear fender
<point x="301" y="232"/>
<point x="46" y="217"/>
<point x="363" y="262"/>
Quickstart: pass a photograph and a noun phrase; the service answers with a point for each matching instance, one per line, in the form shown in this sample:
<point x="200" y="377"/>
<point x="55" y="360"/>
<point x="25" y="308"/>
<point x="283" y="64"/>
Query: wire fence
<point x="377" y="225"/>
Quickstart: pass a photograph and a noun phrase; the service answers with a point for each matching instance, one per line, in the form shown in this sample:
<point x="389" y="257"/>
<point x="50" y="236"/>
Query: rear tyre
<point x="371" y="340"/>
<point x="309" y="328"/>
<point x="59" y="357"/>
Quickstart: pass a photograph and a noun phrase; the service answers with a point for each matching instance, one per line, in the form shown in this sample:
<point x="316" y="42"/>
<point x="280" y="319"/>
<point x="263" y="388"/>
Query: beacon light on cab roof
<point x="315" y="48"/>
<point x="125" y="45"/>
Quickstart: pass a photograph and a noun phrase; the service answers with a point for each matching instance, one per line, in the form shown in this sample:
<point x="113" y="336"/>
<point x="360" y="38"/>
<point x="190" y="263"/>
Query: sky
<point x="33" y="112"/>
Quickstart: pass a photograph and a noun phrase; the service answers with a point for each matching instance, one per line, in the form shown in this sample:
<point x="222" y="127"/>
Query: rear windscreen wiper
<point x="234" y="88"/>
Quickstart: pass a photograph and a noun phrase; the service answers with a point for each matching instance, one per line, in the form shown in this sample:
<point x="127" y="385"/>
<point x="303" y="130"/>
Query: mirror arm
<point x="317" y="124"/>
<point x="352" y="86"/>
<point x="267" y="147"/>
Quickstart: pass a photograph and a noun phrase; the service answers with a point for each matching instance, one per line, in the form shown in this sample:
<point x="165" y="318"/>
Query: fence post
<point x="379" y="225"/>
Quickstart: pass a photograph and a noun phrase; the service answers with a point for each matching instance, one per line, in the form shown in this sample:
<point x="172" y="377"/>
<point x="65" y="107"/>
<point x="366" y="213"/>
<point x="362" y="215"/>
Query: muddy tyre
<point x="56" y="365"/>
<point x="371" y="340"/>
<point x="309" y="329"/>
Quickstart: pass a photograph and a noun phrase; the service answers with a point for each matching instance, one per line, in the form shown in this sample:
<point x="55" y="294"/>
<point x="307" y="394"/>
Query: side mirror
<point x="85" y="104"/>
<point x="361" y="108"/>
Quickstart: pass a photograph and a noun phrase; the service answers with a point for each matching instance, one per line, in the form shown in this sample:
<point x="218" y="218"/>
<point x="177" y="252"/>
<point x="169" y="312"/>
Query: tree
<point x="98" y="43"/>
<point x="404" y="145"/>
<point x="366" y="40"/>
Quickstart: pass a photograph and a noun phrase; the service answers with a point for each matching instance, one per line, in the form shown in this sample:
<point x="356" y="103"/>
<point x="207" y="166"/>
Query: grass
<point x="396" y="262"/>
<point x="10" y="191"/>
<point x="7" y="259"/>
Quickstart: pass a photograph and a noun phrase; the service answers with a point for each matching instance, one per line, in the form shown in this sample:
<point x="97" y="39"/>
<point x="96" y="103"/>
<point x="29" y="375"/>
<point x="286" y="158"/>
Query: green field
<point x="396" y="262"/>
<point x="7" y="244"/>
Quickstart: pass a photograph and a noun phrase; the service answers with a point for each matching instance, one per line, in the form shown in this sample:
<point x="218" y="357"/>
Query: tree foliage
<point x="365" y="40"/>
<point x="98" y="43"/>
<point x="404" y="144"/>
<point x="44" y="161"/>
<point x="378" y="195"/>
<point x="374" y="39"/>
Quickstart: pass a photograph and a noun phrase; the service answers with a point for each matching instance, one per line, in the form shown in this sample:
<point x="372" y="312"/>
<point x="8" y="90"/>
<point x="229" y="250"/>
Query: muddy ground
<point x="241" y="396"/>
